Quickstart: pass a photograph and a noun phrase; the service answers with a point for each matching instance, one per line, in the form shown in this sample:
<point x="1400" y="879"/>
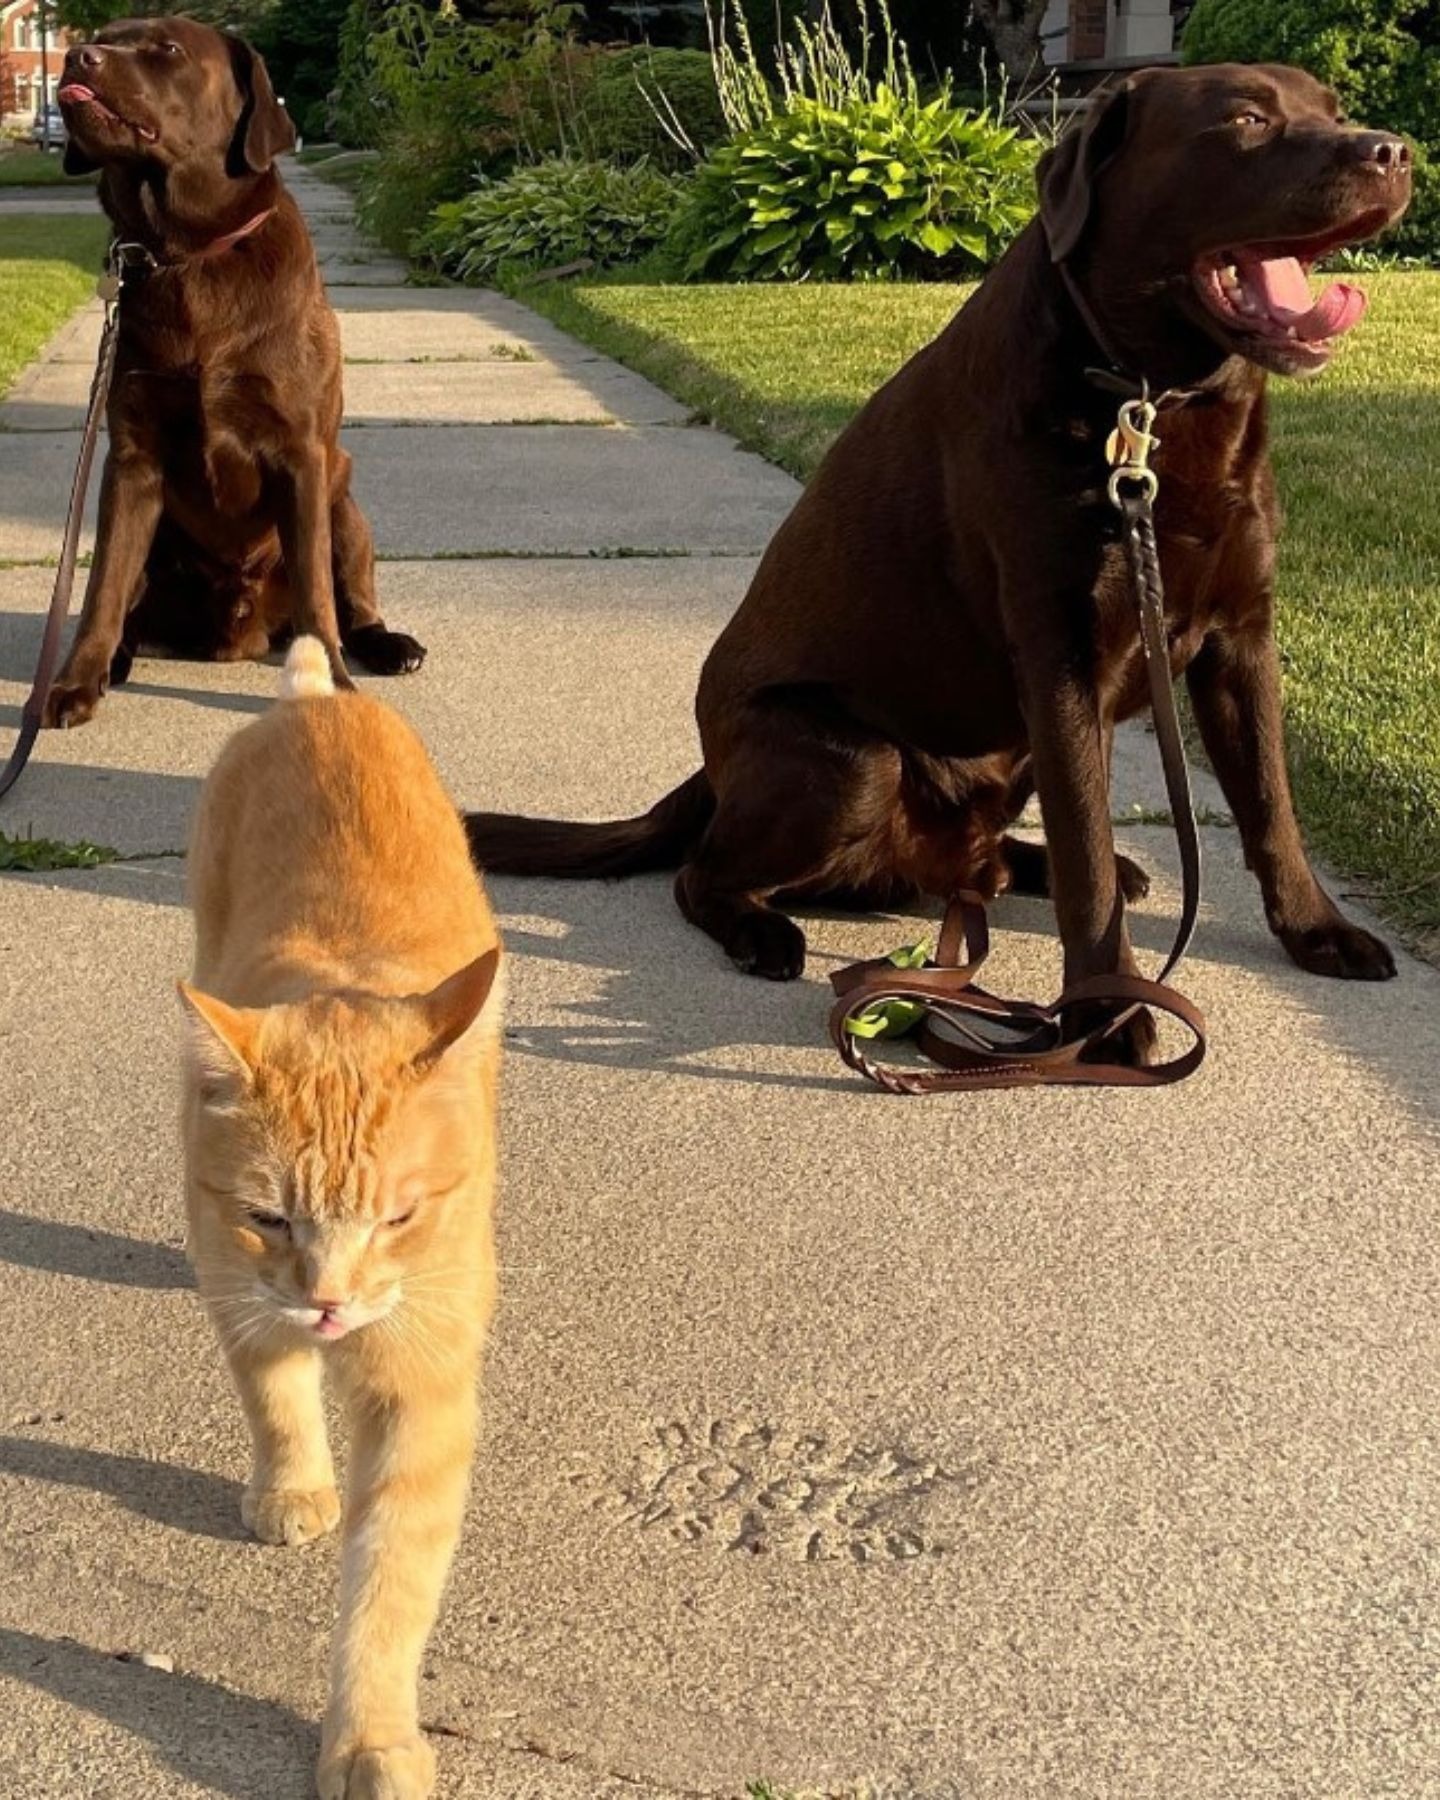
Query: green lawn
<point x="1358" y="454"/>
<point x="48" y="265"/>
<point x="24" y="167"/>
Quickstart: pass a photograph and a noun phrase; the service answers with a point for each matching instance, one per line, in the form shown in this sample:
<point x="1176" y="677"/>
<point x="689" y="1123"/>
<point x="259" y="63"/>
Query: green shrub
<point x="1381" y="56"/>
<point x="885" y="187"/>
<point x="413" y="173"/>
<point x="551" y="213"/>
<point x="659" y="104"/>
<point x="353" y="114"/>
<point x="442" y="95"/>
<point x="836" y="171"/>
<point x="1418" y="233"/>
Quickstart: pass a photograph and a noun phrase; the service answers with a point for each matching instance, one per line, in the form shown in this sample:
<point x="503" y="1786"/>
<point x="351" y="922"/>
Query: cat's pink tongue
<point x="1281" y="284"/>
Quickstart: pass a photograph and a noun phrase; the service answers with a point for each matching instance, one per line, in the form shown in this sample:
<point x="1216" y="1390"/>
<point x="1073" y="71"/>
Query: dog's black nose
<point x="1383" y="151"/>
<point x="85" y="57"/>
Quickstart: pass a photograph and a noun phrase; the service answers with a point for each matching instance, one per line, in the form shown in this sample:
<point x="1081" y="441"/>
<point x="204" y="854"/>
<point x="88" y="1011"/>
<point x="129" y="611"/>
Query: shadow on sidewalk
<point x="224" y="1742"/>
<point x="35" y="1243"/>
<point x="660" y="998"/>
<point x="188" y="1500"/>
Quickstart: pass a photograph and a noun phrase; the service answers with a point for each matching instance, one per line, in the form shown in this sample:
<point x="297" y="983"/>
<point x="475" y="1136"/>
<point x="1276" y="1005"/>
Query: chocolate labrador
<point x="944" y="622"/>
<point x="226" y="517"/>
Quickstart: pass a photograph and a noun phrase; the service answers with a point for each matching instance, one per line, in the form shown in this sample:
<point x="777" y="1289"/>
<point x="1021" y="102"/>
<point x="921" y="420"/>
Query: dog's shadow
<point x="659" y="997"/>
<point x="223" y="1742"/>
<point x="666" y="998"/>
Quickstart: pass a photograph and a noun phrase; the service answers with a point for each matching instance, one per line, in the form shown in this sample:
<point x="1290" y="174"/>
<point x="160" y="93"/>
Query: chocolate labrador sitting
<point x="225" y="510"/>
<point x="944" y="622"/>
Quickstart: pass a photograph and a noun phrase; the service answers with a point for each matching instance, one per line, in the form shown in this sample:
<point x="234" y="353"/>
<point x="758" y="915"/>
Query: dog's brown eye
<point x="1251" y="119"/>
<point x="263" y="1220"/>
<point x="400" y="1219"/>
<point x="170" y="49"/>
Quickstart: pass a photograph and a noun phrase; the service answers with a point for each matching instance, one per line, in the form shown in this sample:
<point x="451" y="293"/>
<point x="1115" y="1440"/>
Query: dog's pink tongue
<point x="75" y="90"/>
<point x="1286" y="293"/>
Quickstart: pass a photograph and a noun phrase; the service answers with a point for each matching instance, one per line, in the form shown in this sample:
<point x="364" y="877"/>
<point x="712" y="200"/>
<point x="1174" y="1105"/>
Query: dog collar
<point x="139" y="259"/>
<point x="1118" y="378"/>
<point x="218" y="246"/>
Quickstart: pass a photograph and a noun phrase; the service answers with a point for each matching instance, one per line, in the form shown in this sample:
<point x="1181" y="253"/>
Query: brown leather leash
<point x="977" y="1039"/>
<point x="123" y="256"/>
<point x="118" y="258"/>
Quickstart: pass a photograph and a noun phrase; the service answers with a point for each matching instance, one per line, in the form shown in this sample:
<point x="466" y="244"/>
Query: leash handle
<point x="118" y="258"/>
<point x="978" y="1040"/>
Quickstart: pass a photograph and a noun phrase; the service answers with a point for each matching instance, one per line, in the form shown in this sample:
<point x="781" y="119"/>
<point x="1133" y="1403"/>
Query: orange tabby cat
<point x="339" y="1121"/>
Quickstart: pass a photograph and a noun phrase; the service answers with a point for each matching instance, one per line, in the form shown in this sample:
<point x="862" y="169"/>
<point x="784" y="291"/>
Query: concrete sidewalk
<point x="1047" y="1445"/>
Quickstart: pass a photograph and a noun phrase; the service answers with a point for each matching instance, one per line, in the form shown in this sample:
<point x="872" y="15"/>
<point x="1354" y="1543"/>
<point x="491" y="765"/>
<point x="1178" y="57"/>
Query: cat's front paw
<point x="398" y="1772"/>
<point x="290" y="1515"/>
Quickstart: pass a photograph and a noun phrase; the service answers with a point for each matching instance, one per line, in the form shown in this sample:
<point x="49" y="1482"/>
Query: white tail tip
<point x="306" y="674"/>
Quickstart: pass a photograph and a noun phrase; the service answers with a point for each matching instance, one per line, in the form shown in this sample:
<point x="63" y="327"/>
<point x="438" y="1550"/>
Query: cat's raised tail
<point x="306" y="674"/>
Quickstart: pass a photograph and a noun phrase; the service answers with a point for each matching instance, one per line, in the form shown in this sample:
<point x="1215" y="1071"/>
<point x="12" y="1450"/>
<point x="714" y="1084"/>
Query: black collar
<point x="1119" y="377"/>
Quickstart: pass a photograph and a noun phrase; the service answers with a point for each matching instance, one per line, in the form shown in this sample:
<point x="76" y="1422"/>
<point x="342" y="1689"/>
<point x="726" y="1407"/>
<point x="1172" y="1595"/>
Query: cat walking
<point x="339" y="1119"/>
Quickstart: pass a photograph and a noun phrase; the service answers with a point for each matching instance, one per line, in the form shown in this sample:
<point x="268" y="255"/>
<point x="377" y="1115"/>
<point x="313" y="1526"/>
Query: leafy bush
<point x="426" y="83"/>
<point x="1381" y="56"/>
<point x="836" y="172"/>
<point x="554" y="212"/>
<point x="441" y="95"/>
<point x="660" y="104"/>
<point x="353" y="115"/>
<point x="886" y="187"/>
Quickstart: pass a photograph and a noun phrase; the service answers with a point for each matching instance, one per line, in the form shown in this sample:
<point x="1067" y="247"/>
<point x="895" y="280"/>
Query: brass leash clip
<point x="1127" y="450"/>
<point x="122" y="256"/>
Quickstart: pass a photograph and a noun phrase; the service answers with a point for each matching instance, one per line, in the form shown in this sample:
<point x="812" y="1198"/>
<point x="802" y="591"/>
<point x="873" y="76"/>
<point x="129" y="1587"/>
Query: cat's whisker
<point x="235" y="1303"/>
<point x="427" y="1343"/>
<point x="439" y="1307"/>
<point x="250" y="1332"/>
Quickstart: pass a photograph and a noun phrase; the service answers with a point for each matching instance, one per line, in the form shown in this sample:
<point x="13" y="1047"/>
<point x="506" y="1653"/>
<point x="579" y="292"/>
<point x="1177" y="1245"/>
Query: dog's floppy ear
<point x="264" y="129"/>
<point x="1068" y="171"/>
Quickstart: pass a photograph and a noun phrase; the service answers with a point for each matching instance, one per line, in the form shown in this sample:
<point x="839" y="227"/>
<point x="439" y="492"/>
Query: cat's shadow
<point x="225" y="1743"/>
<point x="185" y="1499"/>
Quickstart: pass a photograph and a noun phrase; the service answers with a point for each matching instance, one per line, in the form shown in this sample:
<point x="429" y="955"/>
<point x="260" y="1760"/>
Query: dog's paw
<point x="769" y="945"/>
<point x="1134" y="882"/>
<point x="1028" y="869"/>
<point x="404" y="1771"/>
<point x="73" y="702"/>
<point x="290" y="1515"/>
<point x="383" y="652"/>
<point x="1340" y="950"/>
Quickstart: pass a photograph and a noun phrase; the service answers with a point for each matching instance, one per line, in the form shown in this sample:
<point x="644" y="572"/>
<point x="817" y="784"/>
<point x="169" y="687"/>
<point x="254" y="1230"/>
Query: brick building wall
<point x="20" y="80"/>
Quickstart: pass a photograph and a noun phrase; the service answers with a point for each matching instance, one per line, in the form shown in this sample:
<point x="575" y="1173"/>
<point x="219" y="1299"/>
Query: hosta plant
<point x="552" y="213"/>
<point x="841" y="165"/>
<point x="884" y="185"/>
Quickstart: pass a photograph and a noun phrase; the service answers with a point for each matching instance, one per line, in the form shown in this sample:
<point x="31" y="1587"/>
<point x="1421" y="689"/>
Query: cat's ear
<point x="452" y="1008"/>
<point x="222" y="1040"/>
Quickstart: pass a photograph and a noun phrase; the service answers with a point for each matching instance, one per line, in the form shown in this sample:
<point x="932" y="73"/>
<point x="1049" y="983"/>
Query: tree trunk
<point x="1014" y="29"/>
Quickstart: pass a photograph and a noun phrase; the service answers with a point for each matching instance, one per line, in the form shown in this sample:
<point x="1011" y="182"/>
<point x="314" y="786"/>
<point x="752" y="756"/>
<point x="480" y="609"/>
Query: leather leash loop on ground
<point x="976" y="1039"/>
<point x="119" y="258"/>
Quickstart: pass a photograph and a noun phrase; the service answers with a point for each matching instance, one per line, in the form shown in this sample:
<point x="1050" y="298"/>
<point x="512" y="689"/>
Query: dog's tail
<point x="307" y="673"/>
<point x="503" y="844"/>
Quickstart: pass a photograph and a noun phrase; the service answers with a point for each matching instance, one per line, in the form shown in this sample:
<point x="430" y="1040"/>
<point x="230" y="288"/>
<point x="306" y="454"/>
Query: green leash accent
<point x="892" y="1018"/>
